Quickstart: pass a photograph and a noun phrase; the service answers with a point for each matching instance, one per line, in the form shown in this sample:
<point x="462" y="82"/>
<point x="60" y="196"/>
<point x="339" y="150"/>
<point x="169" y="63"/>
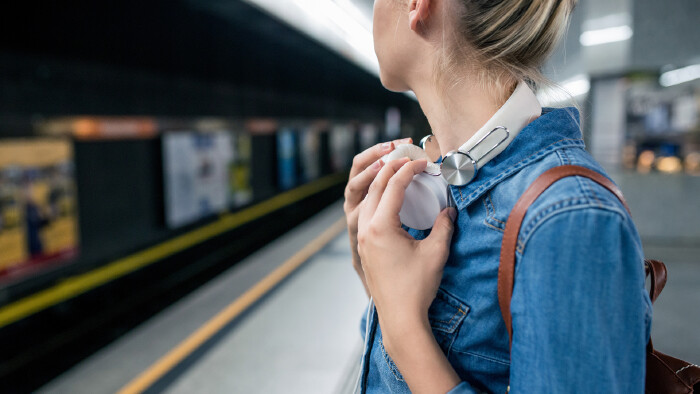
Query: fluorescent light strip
<point x="573" y="87"/>
<point x="605" y="36"/>
<point x="679" y="76"/>
<point x="577" y="86"/>
<point x="337" y="24"/>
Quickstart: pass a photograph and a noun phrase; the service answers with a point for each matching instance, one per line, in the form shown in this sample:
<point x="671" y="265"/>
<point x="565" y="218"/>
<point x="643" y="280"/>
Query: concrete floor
<point x="666" y="210"/>
<point x="676" y="322"/>
<point x="302" y="339"/>
<point x="305" y="334"/>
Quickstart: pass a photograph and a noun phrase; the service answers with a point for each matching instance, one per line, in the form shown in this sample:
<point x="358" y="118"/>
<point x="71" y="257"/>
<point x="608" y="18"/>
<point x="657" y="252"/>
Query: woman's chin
<point x="392" y="84"/>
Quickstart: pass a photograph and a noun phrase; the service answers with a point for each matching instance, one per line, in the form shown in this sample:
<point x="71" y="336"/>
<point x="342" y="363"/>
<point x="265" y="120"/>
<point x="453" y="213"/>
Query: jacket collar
<point x="555" y="129"/>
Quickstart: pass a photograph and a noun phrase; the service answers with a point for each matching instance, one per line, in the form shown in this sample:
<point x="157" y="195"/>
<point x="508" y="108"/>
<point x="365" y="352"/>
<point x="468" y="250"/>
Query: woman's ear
<point x="418" y="12"/>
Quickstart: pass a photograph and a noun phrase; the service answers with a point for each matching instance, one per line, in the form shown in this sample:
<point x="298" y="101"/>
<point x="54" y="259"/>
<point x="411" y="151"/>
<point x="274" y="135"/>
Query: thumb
<point x="441" y="234"/>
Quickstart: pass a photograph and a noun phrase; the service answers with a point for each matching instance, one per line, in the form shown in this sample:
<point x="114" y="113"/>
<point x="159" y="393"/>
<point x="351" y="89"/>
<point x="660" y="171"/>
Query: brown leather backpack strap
<point x="506" y="269"/>
<point x="657" y="271"/>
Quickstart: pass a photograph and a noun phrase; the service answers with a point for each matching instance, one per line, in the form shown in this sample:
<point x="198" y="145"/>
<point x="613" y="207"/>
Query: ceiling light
<point x="681" y="75"/>
<point x="570" y="88"/>
<point x="578" y="85"/>
<point x="338" y="24"/>
<point x="607" y="35"/>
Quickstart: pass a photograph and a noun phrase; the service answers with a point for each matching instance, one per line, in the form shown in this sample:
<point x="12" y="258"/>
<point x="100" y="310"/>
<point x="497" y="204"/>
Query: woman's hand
<point x="403" y="276"/>
<point x="365" y="167"/>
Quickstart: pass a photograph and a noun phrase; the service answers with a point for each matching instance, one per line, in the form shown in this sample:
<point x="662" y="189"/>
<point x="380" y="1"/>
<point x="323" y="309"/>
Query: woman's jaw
<point x="408" y="42"/>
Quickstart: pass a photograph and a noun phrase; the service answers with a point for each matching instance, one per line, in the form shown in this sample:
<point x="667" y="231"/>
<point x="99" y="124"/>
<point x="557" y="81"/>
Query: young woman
<point x="581" y="317"/>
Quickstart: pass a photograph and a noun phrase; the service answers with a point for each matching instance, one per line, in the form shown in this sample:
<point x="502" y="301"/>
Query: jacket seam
<point x="565" y="159"/>
<point x="564" y="156"/>
<point x="491" y="210"/>
<point x="544" y="216"/>
<point x="494" y="227"/>
<point x="528" y="227"/>
<point x="390" y="363"/>
<point x="493" y="359"/>
<point x="583" y="183"/>
<point x="491" y="214"/>
<point x="584" y="186"/>
<point x="588" y="190"/>
<point x="457" y="312"/>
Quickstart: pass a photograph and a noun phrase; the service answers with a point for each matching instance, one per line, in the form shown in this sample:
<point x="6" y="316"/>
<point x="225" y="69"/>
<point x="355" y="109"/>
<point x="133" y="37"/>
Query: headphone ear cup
<point x="425" y="198"/>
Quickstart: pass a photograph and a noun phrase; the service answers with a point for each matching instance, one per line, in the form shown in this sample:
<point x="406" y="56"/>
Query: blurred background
<point x="171" y="177"/>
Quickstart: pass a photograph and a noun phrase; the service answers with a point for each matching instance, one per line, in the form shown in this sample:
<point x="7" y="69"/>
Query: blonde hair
<point x="502" y="41"/>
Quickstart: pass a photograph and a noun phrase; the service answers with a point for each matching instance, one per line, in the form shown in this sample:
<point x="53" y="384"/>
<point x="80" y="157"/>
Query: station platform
<point x="286" y="320"/>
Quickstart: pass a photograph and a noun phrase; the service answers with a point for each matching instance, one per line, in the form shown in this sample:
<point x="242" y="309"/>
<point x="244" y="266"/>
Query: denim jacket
<point x="581" y="316"/>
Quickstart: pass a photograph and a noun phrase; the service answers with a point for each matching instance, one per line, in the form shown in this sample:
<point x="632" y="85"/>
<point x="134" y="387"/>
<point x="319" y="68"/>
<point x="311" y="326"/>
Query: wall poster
<point x="240" y="169"/>
<point x="38" y="205"/>
<point x="287" y="174"/>
<point x="196" y="175"/>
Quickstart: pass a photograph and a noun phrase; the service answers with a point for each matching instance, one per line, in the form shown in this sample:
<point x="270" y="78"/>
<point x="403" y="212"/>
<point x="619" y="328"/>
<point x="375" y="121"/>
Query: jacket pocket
<point x="445" y="314"/>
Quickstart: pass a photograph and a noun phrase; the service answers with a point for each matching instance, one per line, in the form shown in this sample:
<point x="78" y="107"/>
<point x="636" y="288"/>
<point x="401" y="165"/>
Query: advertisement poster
<point x="393" y="123"/>
<point x="196" y="175"/>
<point x="310" y="154"/>
<point x="286" y="159"/>
<point x="341" y="142"/>
<point x="239" y="170"/>
<point x="369" y="135"/>
<point x="38" y="205"/>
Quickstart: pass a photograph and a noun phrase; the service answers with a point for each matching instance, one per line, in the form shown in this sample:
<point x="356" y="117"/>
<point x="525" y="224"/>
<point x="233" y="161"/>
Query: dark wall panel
<point x="120" y="196"/>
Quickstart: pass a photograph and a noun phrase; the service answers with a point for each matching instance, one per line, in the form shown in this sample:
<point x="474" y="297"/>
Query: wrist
<point x="402" y="334"/>
<point x="420" y="359"/>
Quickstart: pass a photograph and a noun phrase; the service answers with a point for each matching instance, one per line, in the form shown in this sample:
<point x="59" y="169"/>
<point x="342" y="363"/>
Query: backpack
<point x="664" y="374"/>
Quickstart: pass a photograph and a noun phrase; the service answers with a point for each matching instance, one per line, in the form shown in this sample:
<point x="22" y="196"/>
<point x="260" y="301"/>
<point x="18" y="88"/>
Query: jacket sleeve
<point x="581" y="316"/>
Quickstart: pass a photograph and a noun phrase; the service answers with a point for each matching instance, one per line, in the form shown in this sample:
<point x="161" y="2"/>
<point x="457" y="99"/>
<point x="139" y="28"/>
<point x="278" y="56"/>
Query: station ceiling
<point x="232" y="42"/>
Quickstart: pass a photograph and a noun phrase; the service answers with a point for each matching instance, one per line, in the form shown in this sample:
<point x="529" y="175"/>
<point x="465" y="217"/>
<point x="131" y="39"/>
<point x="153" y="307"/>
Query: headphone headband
<point x="461" y="166"/>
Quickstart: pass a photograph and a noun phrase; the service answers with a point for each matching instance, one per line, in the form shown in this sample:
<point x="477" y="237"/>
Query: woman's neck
<point x="460" y="113"/>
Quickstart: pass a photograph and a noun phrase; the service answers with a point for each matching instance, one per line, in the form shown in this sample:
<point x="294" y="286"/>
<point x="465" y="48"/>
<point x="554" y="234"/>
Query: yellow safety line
<point x="82" y="283"/>
<point x="156" y="371"/>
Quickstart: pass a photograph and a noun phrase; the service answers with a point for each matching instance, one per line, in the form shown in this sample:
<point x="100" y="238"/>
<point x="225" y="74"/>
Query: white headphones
<point x="429" y="192"/>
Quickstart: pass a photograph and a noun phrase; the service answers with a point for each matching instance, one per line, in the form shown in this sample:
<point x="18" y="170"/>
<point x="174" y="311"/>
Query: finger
<point x="376" y="189"/>
<point x="392" y="198"/>
<point x="441" y="234"/>
<point x="365" y="158"/>
<point x="357" y="186"/>
<point x="408" y="140"/>
<point x="372" y="154"/>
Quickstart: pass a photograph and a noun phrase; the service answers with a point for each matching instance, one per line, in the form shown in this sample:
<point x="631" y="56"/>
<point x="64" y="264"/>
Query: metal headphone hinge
<point x="459" y="168"/>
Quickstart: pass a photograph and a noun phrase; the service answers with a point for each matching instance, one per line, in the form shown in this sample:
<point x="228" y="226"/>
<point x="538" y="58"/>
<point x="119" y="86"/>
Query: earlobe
<point x="417" y="12"/>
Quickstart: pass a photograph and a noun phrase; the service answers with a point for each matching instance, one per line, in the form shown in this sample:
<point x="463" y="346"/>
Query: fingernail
<point x="377" y="164"/>
<point x="405" y="141"/>
<point x="452" y="213"/>
<point x="386" y="146"/>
